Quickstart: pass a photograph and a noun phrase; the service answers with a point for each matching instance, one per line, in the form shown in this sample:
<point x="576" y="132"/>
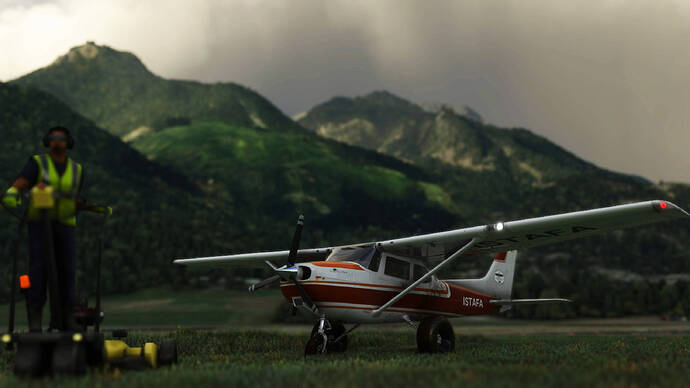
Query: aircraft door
<point x="399" y="269"/>
<point x="417" y="272"/>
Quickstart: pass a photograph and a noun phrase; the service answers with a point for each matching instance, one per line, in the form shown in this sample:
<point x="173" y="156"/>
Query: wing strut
<point x="412" y="286"/>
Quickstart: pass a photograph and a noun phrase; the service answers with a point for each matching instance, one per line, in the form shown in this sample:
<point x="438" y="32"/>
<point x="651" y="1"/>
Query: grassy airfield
<point x="247" y="349"/>
<point x="260" y="358"/>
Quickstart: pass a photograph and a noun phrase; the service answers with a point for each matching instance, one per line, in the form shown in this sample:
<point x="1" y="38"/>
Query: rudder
<point x="498" y="281"/>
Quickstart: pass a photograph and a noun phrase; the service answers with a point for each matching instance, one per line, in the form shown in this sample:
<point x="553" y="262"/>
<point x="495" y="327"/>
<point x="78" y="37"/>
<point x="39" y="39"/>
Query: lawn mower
<point x="59" y="351"/>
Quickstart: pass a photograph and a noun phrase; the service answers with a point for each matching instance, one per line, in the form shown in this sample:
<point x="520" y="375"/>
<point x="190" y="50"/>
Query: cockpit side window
<point x="398" y="268"/>
<point x="419" y="271"/>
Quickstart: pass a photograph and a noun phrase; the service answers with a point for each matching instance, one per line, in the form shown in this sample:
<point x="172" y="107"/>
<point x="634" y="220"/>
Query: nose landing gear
<point x="327" y="337"/>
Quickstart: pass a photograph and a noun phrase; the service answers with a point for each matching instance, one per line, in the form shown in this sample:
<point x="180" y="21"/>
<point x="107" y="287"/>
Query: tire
<point x="94" y="352"/>
<point x="31" y="360"/>
<point x="423" y="335"/>
<point x="435" y="335"/>
<point x="69" y="358"/>
<point x="314" y="345"/>
<point x="442" y="337"/>
<point x="167" y="353"/>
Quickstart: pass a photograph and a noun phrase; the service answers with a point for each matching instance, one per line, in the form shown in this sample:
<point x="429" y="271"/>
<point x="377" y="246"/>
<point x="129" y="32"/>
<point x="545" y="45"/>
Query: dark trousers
<point x="65" y="248"/>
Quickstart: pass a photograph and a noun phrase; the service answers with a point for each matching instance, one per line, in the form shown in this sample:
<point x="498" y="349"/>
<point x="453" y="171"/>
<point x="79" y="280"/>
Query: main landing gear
<point x="327" y="337"/>
<point x="435" y="335"/>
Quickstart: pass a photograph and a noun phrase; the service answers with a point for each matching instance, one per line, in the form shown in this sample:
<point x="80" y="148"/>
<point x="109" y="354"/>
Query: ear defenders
<point x="70" y="139"/>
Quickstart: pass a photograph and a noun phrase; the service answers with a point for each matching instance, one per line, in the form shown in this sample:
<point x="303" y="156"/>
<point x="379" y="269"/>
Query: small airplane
<point x="395" y="281"/>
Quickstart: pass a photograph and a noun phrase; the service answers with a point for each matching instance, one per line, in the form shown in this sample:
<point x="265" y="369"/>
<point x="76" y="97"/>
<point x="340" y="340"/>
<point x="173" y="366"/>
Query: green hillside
<point x="270" y="174"/>
<point x="116" y="91"/>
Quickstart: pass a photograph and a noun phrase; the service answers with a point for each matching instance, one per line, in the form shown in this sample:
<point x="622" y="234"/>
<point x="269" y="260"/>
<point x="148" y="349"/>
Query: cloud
<point x="609" y="80"/>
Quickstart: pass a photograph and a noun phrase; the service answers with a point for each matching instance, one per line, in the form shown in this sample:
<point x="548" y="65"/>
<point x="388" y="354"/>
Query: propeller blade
<point x="264" y="283"/>
<point x="306" y="299"/>
<point x="290" y="268"/>
<point x="295" y="241"/>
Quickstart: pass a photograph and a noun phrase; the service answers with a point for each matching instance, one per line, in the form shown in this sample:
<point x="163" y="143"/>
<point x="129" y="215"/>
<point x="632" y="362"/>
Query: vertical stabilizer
<point x="498" y="281"/>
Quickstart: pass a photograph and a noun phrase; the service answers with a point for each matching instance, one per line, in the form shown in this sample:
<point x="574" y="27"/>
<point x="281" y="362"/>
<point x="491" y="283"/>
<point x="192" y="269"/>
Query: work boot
<point x="34" y="313"/>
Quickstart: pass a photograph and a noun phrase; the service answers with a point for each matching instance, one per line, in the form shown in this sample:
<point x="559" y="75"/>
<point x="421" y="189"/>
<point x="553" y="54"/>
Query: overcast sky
<point x="608" y="80"/>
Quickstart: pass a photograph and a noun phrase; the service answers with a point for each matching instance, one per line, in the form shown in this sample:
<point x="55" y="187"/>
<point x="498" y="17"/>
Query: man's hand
<point x="107" y="210"/>
<point x="11" y="198"/>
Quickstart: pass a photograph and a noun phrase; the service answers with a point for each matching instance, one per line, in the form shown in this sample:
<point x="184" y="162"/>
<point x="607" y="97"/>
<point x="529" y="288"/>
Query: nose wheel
<point x="327" y="337"/>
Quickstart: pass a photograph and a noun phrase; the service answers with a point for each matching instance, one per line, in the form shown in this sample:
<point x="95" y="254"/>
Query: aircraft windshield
<point x="361" y="255"/>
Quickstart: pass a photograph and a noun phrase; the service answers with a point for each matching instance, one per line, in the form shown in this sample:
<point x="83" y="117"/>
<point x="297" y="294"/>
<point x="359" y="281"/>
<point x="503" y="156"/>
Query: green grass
<point x="244" y="351"/>
<point x="170" y="309"/>
<point x="380" y="358"/>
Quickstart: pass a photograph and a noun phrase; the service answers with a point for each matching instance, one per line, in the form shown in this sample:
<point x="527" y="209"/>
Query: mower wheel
<point x="167" y="352"/>
<point x="69" y="358"/>
<point x="31" y="360"/>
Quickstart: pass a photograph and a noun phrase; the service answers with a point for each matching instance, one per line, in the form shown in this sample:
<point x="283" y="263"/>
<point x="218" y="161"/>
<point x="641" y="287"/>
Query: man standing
<point x="66" y="177"/>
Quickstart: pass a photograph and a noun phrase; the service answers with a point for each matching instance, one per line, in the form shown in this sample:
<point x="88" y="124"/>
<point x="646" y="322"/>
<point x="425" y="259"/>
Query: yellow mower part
<point x="151" y="354"/>
<point x="115" y="350"/>
<point x="42" y="198"/>
<point x="118" y="350"/>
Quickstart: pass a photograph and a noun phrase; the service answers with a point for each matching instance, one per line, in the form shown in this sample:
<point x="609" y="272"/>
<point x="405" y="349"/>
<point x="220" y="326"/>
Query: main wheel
<point x="435" y="335"/>
<point x="423" y="335"/>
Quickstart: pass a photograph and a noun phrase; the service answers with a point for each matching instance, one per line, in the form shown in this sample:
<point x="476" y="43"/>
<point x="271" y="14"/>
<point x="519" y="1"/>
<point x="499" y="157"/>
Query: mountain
<point x="115" y="90"/>
<point x="391" y="125"/>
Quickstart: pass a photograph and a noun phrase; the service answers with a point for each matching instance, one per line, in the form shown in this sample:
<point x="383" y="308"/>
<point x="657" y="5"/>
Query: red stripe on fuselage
<point x="392" y="310"/>
<point x="457" y="303"/>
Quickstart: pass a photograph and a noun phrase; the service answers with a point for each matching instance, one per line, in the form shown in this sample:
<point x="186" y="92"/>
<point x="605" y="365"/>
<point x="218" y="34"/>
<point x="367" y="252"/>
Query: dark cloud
<point x="609" y="80"/>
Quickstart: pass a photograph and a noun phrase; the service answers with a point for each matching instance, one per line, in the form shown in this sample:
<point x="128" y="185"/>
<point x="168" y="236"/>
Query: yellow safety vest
<point x="66" y="188"/>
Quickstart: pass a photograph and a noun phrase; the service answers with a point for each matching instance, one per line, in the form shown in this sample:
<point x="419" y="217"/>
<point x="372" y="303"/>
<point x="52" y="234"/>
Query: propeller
<point x="289" y="271"/>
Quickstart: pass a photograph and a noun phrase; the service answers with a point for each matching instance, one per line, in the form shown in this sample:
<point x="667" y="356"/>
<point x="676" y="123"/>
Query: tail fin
<point x="498" y="281"/>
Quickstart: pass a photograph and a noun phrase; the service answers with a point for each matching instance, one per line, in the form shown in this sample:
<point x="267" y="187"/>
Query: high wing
<point x="533" y="232"/>
<point x="248" y="259"/>
<point x="492" y="238"/>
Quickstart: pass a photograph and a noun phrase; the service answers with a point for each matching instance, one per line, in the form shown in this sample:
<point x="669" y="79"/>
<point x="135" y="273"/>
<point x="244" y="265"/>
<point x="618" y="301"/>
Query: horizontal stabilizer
<point x="513" y="302"/>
